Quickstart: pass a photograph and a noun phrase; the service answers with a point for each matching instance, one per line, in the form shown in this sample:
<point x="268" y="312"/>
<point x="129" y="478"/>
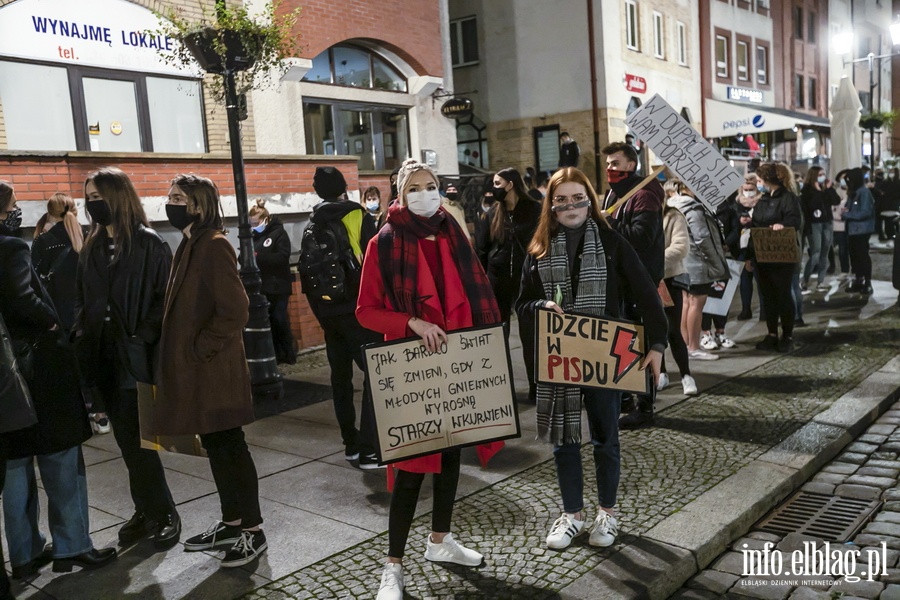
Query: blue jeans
<point x="602" y="407"/>
<point x="819" y="238"/>
<point x="63" y="478"/>
<point x="797" y="296"/>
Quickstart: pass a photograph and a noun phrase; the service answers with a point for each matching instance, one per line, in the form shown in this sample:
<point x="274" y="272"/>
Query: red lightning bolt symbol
<point x="623" y="353"/>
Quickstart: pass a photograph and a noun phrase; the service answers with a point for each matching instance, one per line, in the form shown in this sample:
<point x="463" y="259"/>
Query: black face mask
<point x="99" y="211"/>
<point x="393" y="190"/>
<point x="179" y="217"/>
<point x="499" y="194"/>
<point x="13" y="220"/>
<point x="452" y="195"/>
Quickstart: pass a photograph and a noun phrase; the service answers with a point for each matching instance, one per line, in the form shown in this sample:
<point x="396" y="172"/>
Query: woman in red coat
<point x="421" y="278"/>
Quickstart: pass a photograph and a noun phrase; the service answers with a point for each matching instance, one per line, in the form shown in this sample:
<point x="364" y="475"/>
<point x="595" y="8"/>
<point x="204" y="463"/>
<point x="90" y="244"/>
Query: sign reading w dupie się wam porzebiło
<point x="460" y="395"/>
<point x="708" y="174"/>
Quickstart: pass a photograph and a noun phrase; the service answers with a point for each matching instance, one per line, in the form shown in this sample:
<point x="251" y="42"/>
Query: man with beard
<point x="639" y="221"/>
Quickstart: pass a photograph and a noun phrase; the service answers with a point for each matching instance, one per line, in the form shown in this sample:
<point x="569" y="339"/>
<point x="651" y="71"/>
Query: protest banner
<point x="708" y="174"/>
<point x="772" y="246"/>
<point x="720" y="306"/>
<point x="588" y="351"/>
<point x="460" y="395"/>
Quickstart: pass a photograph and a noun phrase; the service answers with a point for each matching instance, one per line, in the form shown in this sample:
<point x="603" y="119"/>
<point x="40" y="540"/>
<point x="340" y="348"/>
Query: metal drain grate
<point x="830" y="518"/>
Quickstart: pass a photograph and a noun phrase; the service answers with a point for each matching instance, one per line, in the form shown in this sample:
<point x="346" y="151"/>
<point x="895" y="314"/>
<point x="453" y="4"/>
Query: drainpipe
<point x="594" y="107"/>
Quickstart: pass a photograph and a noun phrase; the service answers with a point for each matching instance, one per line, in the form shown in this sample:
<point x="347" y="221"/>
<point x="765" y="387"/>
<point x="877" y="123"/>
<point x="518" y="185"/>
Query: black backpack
<point x="329" y="271"/>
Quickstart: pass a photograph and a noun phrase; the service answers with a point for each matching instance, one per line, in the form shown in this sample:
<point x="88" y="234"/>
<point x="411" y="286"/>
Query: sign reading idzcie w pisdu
<point x="681" y="147"/>
<point x="588" y="351"/>
<point x="460" y="395"/>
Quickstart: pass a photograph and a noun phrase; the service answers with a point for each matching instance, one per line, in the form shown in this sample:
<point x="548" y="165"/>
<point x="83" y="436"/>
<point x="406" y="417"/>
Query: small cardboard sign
<point x="587" y="351"/>
<point x="772" y="246"/>
<point x="697" y="163"/>
<point x="460" y="395"/>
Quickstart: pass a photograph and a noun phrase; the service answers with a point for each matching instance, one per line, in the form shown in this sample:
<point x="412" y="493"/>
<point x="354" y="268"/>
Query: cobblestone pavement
<point x="868" y="469"/>
<point x="696" y="445"/>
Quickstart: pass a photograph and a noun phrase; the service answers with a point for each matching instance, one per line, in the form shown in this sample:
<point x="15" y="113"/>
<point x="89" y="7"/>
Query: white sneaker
<point x="604" y="530"/>
<point x="708" y="342"/>
<point x="689" y="385"/>
<point x="452" y="552"/>
<point x="565" y="529"/>
<point x="663" y="382"/>
<point x="391" y="582"/>
<point x="723" y="341"/>
<point x="702" y="355"/>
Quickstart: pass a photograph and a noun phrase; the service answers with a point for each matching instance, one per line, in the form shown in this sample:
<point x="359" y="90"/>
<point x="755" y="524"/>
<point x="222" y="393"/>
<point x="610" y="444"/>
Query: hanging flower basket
<point x="223" y="50"/>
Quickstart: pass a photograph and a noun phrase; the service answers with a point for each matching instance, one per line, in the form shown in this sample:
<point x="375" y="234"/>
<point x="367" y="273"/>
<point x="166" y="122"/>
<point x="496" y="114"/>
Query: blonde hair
<point x="675" y="187"/>
<point x="60" y="206"/>
<point x="259" y="210"/>
<point x="779" y="174"/>
<point x="548" y="224"/>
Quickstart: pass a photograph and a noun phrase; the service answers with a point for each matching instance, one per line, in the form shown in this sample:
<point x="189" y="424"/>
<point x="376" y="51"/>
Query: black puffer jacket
<point x="47" y="250"/>
<point x="273" y="257"/>
<point x="134" y="288"/>
<point x="53" y="383"/>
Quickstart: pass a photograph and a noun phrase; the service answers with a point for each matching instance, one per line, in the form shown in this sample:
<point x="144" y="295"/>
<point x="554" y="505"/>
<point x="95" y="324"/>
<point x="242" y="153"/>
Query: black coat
<point x="46" y="250"/>
<point x="134" y="288"/>
<point x="502" y="261"/>
<point x="627" y="282"/>
<point x="29" y="315"/>
<point x="639" y="221"/>
<point x="813" y="201"/>
<point x="728" y="214"/>
<point x="782" y="207"/>
<point x="273" y="257"/>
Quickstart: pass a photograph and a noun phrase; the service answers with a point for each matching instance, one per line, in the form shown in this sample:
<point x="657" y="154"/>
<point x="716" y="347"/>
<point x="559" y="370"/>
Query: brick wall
<point x="36" y="176"/>
<point x="410" y="29"/>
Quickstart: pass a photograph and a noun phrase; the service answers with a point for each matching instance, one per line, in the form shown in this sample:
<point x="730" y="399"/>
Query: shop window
<point x="464" y="42"/>
<point x="546" y="147"/>
<point x="37" y="107"/>
<point x="355" y="67"/>
<point x="632" y="31"/>
<point x="682" y="44"/>
<point x="722" y="61"/>
<point x="472" y="143"/>
<point x="379" y="136"/>
<point x="83" y="108"/>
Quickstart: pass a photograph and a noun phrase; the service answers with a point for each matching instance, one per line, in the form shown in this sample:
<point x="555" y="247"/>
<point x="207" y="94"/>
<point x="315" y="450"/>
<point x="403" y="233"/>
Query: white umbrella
<point x="846" y="135"/>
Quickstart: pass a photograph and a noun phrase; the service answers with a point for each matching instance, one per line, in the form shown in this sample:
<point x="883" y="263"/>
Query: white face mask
<point x="373" y="205"/>
<point x="749" y="193"/>
<point x="424" y="203"/>
<point x="821" y="179"/>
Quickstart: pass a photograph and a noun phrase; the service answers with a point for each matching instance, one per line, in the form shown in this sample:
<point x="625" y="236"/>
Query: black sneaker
<point x="636" y="419"/>
<point x="768" y="343"/>
<point x="369" y="461"/>
<point x="136" y="528"/>
<point x="786" y="344"/>
<point x="351" y="454"/>
<point x="219" y="535"/>
<point x="249" y="546"/>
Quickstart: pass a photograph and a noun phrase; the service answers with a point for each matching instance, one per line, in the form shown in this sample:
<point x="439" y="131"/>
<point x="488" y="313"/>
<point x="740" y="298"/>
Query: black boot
<point x="92" y="559"/>
<point x="640" y="417"/>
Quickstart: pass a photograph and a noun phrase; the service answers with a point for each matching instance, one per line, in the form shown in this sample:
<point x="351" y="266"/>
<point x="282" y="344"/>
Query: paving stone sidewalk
<point x="868" y="469"/>
<point x="696" y="445"/>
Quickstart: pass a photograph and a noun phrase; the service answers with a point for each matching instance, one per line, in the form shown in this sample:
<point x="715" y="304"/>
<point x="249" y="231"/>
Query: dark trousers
<point x="602" y="408"/>
<point x="839" y="239"/>
<point x="146" y="476"/>
<point x="235" y="475"/>
<point x="885" y="227"/>
<point x="775" y="291"/>
<point x="280" y="323"/>
<point x="707" y="320"/>
<point x="747" y="279"/>
<point x="526" y="334"/>
<point x="5" y="594"/>
<point x="860" y="260"/>
<point x="676" y="342"/>
<point x="406" y="495"/>
<point x="344" y="339"/>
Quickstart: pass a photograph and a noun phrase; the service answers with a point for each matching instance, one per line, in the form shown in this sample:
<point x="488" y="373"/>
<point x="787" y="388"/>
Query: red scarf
<point x="398" y="254"/>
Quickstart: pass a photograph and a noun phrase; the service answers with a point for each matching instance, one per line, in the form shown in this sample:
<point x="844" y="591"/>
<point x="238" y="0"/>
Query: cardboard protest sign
<point x="772" y="246"/>
<point x="587" y="351"/>
<point x="463" y="394"/>
<point x="707" y="173"/>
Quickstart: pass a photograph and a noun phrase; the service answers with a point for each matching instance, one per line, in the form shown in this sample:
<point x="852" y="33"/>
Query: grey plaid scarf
<point x="559" y="407"/>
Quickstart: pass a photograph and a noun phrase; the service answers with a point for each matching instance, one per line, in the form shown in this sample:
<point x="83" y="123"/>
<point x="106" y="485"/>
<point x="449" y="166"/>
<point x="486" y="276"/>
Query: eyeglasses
<point x="573" y="199"/>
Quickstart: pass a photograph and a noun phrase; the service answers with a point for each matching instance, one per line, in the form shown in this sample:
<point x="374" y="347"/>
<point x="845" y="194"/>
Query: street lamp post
<point x="265" y="379"/>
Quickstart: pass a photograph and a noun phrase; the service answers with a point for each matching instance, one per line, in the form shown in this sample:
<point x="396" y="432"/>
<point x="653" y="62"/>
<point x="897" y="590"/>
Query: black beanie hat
<point x="329" y="183"/>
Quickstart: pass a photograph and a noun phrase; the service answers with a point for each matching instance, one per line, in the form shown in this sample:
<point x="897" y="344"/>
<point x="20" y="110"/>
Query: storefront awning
<point x="730" y="118"/>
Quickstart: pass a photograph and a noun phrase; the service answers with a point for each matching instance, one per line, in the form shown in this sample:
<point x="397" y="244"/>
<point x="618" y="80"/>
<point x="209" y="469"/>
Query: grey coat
<point x="705" y="261"/>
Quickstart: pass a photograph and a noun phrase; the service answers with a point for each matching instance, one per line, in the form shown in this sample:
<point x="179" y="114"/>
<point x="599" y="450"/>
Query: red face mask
<point x="616" y="176"/>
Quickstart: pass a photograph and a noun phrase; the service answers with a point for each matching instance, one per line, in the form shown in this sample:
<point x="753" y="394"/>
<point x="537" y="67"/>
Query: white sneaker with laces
<point x="663" y="382"/>
<point x="702" y="355"/>
<point x="565" y="529"/>
<point x="451" y="551"/>
<point x="604" y="530"/>
<point x="708" y="342"/>
<point x="724" y="342"/>
<point x="391" y="582"/>
<point x="689" y="385"/>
